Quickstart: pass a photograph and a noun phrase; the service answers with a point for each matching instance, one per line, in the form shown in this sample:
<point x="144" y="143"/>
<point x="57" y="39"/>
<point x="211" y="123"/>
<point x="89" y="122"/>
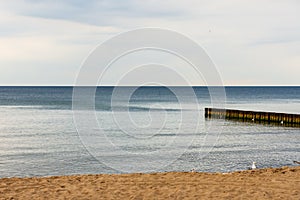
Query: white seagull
<point x="253" y="165"/>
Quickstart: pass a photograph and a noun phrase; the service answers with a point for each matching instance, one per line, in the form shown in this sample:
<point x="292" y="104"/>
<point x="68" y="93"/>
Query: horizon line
<point x="150" y="86"/>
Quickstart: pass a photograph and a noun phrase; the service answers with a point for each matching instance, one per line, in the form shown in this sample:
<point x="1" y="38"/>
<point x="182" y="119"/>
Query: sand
<point x="280" y="183"/>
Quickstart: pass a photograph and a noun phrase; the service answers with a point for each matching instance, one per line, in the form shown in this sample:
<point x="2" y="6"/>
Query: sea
<point x="152" y="131"/>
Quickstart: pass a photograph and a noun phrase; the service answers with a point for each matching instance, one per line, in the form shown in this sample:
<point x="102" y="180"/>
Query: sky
<point x="254" y="42"/>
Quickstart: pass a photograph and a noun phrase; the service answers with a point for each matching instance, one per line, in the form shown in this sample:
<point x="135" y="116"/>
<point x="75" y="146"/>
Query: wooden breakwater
<point x="254" y="116"/>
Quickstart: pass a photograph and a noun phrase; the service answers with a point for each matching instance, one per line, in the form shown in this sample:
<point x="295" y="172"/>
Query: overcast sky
<point x="254" y="42"/>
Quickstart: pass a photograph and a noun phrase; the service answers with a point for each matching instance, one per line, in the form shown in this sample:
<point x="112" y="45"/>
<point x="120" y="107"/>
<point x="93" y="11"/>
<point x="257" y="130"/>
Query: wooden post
<point x="261" y="117"/>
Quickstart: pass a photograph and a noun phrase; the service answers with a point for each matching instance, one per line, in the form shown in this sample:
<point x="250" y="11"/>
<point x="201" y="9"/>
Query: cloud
<point x="250" y="41"/>
<point x="105" y="12"/>
<point x="40" y="51"/>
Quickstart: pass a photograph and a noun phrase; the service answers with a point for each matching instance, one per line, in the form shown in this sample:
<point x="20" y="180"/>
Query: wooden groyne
<point x="254" y="116"/>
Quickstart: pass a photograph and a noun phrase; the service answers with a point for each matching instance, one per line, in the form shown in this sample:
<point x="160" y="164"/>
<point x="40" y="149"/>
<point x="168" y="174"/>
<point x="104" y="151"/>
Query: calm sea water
<point x="38" y="136"/>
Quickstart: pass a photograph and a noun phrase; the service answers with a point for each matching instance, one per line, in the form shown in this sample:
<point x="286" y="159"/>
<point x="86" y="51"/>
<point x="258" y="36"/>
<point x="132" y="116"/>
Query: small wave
<point x="29" y="107"/>
<point x="21" y="106"/>
<point x="142" y="108"/>
<point x="165" y="134"/>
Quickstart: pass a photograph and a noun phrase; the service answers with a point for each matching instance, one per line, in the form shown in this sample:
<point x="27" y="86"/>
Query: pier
<point x="284" y="119"/>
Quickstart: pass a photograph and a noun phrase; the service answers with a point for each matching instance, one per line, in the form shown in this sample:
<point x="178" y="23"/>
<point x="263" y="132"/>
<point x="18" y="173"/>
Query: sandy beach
<point x="279" y="183"/>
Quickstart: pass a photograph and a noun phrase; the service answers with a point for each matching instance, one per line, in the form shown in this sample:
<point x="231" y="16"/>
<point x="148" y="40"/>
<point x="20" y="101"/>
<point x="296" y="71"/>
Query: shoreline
<point x="268" y="183"/>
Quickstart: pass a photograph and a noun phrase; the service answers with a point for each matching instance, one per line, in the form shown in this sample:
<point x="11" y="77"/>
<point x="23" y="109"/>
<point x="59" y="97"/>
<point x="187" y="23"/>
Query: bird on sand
<point x="253" y="166"/>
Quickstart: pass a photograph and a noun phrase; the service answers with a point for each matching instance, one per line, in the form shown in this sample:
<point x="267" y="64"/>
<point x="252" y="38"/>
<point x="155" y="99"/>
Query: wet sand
<point x="280" y="183"/>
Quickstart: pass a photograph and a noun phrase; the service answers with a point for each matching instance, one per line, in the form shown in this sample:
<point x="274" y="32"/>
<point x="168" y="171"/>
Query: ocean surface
<point x="39" y="137"/>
